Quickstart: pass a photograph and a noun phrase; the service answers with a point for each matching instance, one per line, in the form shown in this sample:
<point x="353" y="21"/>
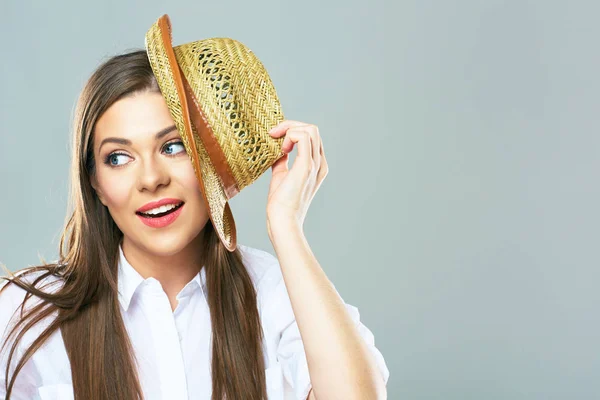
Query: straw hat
<point x="223" y="104"/>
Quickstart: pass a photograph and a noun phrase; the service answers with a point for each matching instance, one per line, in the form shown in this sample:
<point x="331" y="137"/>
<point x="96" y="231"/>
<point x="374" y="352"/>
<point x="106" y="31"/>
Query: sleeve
<point x="27" y="382"/>
<point x="290" y="351"/>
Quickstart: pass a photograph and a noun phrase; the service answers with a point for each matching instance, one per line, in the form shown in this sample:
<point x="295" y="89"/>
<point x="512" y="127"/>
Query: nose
<point x="152" y="174"/>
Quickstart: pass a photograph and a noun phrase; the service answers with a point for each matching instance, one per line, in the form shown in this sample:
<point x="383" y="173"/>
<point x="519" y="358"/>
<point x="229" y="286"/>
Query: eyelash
<point x="108" y="157"/>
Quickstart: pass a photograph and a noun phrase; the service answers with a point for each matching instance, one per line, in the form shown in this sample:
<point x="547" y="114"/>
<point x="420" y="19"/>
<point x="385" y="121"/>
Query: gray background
<point x="460" y="210"/>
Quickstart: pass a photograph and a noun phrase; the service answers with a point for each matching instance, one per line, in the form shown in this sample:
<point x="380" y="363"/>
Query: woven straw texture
<point x="239" y="101"/>
<point x="240" y="104"/>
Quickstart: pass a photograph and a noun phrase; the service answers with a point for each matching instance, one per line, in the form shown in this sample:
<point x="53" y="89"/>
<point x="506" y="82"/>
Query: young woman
<point x="135" y="311"/>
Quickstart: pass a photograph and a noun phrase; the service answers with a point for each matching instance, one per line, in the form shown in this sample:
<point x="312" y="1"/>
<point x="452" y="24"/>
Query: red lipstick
<point x="162" y="219"/>
<point x="161" y="202"/>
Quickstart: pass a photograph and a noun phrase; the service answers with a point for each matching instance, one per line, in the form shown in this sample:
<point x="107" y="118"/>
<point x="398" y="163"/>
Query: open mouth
<point x="162" y="214"/>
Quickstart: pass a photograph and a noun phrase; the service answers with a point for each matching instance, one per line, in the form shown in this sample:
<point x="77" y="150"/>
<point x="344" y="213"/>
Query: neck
<point x="173" y="270"/>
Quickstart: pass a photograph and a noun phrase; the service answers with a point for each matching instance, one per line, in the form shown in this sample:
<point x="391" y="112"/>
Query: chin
<point x="165" y="241"/>
<point x="170" y="243"/>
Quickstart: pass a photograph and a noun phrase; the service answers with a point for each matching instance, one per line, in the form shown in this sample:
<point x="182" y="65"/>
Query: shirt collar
<point x="130" y="280"/>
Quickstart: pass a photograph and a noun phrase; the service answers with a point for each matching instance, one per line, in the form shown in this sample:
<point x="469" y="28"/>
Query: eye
<point x="113" y="156"/>
<point x="174" y="145"/>
<point x="112" y="160"/>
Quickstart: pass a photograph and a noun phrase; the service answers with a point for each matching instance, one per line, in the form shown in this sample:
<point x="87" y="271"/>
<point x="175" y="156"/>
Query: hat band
<point x="168" y="74"/>
<point x="214" y="150"/>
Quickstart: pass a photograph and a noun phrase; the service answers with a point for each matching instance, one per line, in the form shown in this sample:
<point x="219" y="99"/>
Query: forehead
<point x="137" y="118"/>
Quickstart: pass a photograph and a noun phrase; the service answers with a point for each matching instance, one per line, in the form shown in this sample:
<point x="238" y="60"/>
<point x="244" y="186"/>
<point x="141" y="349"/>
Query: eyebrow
<point x="127" y="142"/>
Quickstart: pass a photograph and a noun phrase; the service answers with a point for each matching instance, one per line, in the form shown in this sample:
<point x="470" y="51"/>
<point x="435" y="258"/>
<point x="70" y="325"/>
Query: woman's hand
<point x="292" y="190"/>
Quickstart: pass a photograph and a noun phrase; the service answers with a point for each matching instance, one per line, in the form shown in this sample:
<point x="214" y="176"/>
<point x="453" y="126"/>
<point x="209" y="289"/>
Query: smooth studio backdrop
<point x="460" y="214"/>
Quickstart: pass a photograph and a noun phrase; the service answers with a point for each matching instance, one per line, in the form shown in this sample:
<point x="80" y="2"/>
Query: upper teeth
<point x="161" y="209"/>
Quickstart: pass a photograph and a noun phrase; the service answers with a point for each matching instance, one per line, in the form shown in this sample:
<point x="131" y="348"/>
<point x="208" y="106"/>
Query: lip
<point x="162" y="221"/>
<point x="161" y="202"/>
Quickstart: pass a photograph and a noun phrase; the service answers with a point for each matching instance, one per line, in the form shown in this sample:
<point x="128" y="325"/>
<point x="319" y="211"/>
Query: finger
<point x="281" y="165"/>
<point x="289" y="142"/>
<point x="279" y="129"/>
<point x="313" y="131"/>
<point x="316" y="144"/>
<point x="323" y="170"/>
<point x="302" y="138"/>
<point x="287" y="145"/>
<point x="323" y="167"/>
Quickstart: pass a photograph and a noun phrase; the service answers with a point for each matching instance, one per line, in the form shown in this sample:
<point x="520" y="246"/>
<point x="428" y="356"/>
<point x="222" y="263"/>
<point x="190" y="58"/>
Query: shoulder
<point x="10" y="291"/>
<point x="263" y="267"/>
<point x="256" y="258"/>
<point x="260" y="263"/>
<point x="12" y="295"/>
<point x="12" y="307"/>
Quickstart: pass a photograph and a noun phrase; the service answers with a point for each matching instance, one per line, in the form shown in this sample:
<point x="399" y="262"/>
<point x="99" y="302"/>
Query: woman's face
<point x="149" y="164"/>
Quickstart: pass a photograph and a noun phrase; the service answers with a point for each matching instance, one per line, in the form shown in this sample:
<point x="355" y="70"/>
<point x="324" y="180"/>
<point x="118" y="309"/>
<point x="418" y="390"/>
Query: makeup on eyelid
<point x="116" y="153"/>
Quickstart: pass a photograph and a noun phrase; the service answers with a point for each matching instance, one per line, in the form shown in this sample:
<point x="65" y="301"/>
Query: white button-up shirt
<point x="173" y="347"/>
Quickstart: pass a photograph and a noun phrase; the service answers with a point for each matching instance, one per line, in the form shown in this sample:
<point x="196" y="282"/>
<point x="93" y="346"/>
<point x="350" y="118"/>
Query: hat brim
<point x="168" y="75"/>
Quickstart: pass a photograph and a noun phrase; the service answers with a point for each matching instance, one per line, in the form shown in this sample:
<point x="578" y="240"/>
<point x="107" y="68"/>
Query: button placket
<point x="169" y="358"/>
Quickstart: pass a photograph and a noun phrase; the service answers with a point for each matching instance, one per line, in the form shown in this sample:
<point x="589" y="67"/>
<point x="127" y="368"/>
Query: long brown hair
<point x="101" y="356"/>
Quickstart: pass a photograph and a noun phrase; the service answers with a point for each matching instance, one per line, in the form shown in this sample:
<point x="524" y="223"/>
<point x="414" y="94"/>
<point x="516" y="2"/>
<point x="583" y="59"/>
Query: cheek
<point x="116" y="190"/>
<point x="194" y="193"/>
<point x="188" y="178"/>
